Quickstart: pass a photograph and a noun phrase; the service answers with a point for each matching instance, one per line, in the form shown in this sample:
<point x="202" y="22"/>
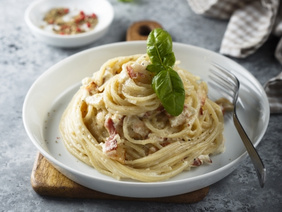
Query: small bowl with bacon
<point x="69" y="23"/>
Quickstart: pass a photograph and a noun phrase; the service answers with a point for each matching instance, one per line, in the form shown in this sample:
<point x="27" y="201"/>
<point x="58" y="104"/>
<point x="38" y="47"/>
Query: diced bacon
<point x="165" y="142"/>
<point x="111" y="147"/>
<point x="201" y="111"/>
<point x="132" y="74"/>
<point x="201" y="160"/>
<point x="91" y="87"/>
<point x="113" y="150"/>
<point x="111" y="142"/>
<point x="139" y="73"/>
<point x="109" y="124"/>
<point x="197" y="162"/>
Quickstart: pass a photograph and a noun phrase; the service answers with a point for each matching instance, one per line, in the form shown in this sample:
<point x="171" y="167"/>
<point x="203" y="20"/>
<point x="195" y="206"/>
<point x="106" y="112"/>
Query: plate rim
<point x="230" y="166"/>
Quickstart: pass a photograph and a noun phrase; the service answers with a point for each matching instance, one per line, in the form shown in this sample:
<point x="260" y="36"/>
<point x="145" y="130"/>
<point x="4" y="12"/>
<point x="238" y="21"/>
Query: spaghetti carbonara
<point x="116" y="124"/>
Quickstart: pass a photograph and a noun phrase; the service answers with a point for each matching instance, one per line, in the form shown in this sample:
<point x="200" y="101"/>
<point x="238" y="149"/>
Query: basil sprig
<point x="166" y="82"/>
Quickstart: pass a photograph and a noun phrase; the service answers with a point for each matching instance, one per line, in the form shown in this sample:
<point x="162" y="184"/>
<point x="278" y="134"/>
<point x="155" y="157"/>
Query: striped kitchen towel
<point x="250" y="24"/>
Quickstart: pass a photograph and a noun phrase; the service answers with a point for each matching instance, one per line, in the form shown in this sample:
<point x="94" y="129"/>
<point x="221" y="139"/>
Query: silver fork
<point x="229" y="84"/>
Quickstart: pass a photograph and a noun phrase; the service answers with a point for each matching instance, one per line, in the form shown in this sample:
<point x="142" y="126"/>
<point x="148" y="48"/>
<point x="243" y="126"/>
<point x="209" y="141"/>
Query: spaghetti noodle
<point x="116" y="124"/>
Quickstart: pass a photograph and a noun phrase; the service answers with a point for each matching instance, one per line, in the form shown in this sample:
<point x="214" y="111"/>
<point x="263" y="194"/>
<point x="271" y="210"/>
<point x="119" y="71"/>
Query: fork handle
<point x="255" y="158"/>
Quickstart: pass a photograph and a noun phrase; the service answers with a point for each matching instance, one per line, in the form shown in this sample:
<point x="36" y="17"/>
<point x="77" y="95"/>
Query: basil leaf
<point x="155" y="68"/>
<point x="166" y="83"/>
<point x="169" y="88"/>
<point x="159" y="48"/>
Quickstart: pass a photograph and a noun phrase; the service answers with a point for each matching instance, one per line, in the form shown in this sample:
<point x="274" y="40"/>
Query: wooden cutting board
<point x="48" y="181"/>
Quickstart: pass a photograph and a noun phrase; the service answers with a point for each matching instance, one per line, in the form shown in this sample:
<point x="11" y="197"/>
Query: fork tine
<point x="218" y="82"/>
<point x="231" y="77"/>
<point x="229" y="84"/>
<point x="225" y="81"/>
<point x="218" y="73"/>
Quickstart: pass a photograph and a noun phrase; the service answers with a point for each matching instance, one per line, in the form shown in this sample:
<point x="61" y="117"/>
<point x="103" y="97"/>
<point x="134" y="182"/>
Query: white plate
<point x="35" y="12"/>
<point x="50" y="94"/>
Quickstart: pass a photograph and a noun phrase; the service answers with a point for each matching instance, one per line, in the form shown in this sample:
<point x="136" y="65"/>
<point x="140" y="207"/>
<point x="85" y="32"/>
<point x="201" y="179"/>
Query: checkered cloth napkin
<point x="250" y="24"/>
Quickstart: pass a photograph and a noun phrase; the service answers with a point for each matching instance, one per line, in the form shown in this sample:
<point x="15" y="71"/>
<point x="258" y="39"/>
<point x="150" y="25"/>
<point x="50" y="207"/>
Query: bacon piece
<point x="201" y="111"/>
<point x="91" y="87"/>
<point x="132" y="74"/>
<point x="201" y="160"/>
<point x="111" y="142"/>
<point x="111" y="147"/>
<point x="109" y="124"/>
<point x="139" y="74"/>
<point x="197" y="162"/>
<point x="165" y="142"/>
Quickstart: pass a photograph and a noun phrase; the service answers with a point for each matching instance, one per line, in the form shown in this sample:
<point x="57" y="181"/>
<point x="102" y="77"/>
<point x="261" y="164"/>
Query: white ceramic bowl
<point x="50" y="94"/>
<point x="102" y="8"/>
